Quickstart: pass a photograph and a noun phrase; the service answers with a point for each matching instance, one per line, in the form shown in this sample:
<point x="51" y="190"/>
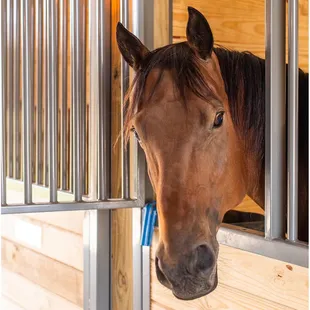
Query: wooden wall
<point x="238" y="24"/>
<point x="42" y="259"/>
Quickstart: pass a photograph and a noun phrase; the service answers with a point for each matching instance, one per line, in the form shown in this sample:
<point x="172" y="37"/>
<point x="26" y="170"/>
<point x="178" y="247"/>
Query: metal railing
<point x="280" y="199"/>
<point x="47" y="125"/>
<point x="54" y="138"/>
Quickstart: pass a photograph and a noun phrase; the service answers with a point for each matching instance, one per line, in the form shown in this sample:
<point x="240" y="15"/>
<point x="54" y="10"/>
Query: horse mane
<point x="244" y="78"/>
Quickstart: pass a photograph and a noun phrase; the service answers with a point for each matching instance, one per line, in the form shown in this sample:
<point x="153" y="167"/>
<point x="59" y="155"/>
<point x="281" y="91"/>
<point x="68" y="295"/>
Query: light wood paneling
<point x="56" y="243"/>
<point x="8" y="304"/>
<point x="30" y="296"/>
<point x="238" y="24"/>
<point x="52" y="275"/>
<point x="246" y="281"/>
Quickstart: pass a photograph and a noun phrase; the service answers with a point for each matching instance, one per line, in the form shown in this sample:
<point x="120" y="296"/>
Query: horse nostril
<point x="204" y="258"/>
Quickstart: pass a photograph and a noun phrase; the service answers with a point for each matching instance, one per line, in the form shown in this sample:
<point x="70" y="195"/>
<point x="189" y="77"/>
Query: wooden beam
<point x="28" y="295"/>
<point x="52" y="275"/>
<point x="56" y="243"/>
<point x="238" y="24"/>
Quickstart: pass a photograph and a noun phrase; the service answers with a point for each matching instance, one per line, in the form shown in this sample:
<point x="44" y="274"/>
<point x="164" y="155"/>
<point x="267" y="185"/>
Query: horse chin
<point x="188" y="295"/>
<point x="192" y="291"/>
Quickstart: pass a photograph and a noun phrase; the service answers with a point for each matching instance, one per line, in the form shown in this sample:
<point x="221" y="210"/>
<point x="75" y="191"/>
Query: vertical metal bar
<point x="45" y="99"/>
<point x="124" y="87"/>
<point x="16" y="90"/>
<point x="76" y="96"/>
<point x="275" y="148"/>
<point x="64" y="108"/>
<point x="97" y="224"/>
<point x="143" y="28"/>
<point x="39" y="153"/>
<point x="104" y="138"/>
<point x="10" y="119"/>
<point x="52" y="105"/>
<point x="97" y="262"/>
<point x="83" y="91"/>
<point x="292" y="120"/>
<point x="27" y="100"/>
<point x="3" y="98"/>
<point x="170" y="25"/>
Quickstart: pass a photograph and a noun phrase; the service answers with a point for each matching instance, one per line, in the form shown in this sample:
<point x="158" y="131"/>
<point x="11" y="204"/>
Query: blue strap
<point x="148" y="223"/>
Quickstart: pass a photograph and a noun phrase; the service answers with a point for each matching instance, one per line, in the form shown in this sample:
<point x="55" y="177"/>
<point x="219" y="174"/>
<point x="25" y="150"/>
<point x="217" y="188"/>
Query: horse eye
<point x="218" y="119"/>
<point x="135" y="133"/>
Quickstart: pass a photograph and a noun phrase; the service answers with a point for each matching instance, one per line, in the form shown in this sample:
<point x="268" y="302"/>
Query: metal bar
<point x="170" y="25"/>
<point x="64" y="107"/>
<point x="82" y="62"/>
<point x="275" y="148"/>
<point x="71" y="206"/>
<point x="292" y="232"/>
<point x="143" y="28"/>
<point x="97" y="224"/>
<point x="124" y="87"/>
<point x="10" y="118"/>
<point x="76" y="97"/>
<point x="97" y="250"/>
<point x="16" y="91"/>
<point x="94" y="100"/>
<point x="27" y="101"/>
<point x="104" y="143"/>
<point x="251" y="242"/>
<point x="39" y="153"/>
<point x="3" y="98"/>
<point x="45" y="99"/>
<point x="52" y="104"/>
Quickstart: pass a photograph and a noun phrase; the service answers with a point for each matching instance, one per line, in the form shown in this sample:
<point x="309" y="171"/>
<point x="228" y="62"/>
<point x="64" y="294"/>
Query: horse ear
<point x="199" y="34"/>
<point x="130" y="47"/>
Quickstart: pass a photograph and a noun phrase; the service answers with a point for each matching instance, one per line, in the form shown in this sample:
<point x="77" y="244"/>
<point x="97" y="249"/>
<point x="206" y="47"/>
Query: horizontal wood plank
<point x="8" y="304"/>
<point x="267" y="279"/>
<point x="56" y="243"/>
<point x="238" y="24"/>
<point x="30" y="296"/>
<point x="67" y="220"/>
<point x="224" y="297"/>
<point x="52" y="275"/>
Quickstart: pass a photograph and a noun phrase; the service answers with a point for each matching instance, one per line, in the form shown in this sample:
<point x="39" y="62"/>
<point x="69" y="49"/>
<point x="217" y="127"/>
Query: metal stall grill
<point x="57" y="135"/>
<point x="281" y="168"/>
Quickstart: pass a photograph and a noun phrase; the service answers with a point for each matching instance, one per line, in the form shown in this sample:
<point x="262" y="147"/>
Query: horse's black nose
<point x="203" y="259"/>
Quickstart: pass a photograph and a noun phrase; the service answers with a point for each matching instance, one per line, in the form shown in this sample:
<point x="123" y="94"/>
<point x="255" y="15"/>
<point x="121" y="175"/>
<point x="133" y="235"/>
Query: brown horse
<point x="199" y="115"/>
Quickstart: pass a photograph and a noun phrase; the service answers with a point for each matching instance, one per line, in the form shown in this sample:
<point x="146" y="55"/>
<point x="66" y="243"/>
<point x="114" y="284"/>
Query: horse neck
<point x="244" y="78"/>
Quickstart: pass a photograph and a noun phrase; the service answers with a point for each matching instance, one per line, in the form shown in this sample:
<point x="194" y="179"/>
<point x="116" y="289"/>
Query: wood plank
<point x="161" y="21"/>
<point x="224" y="297"/>
<point x="238" y="24"/>
<point x="8" y="304"/>
<point x="52" y="275"/>
<point x="56" y="243"/>
<point x="248" y="205"/>
<point x="67" y="220"/>
<point x="122" y="290"/>
<point x="263" y="277"/>
<point x="158" y="306"/>
<point x="30" y="295"/>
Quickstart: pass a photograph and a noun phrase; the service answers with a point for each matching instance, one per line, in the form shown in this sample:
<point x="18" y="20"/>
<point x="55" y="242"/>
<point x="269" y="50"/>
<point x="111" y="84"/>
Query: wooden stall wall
<point x="246" y="280"/>
<point x="42" y="258"/>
